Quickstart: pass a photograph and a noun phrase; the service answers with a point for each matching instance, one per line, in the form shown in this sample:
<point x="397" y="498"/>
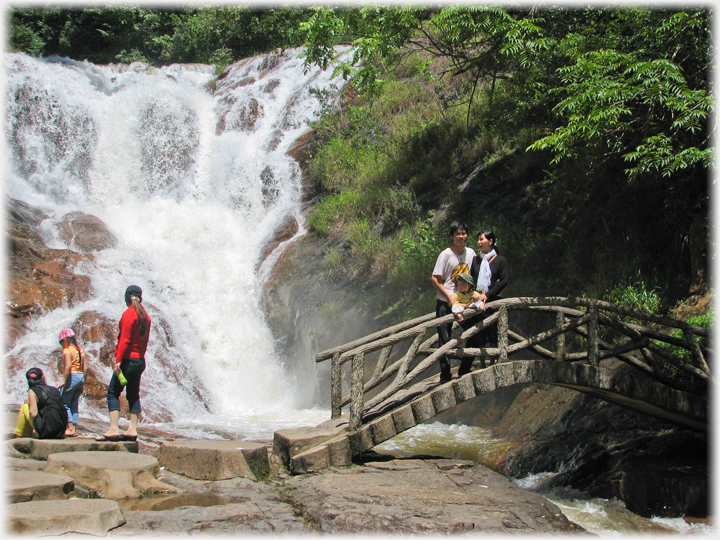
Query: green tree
<point x="621" y="73"/>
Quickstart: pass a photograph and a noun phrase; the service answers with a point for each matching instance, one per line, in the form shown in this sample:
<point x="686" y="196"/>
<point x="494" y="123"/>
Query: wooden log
<point x="380" y="366"/>
<point x="325" y="355"/>
<point x="695" y="350"/>
<point x="502" y="325"/>
<point x="335" y="386"/>
<point x="544" y="336"/>
<point x="356" y="395"/>
<point x="397" y="384"/>
<point x="593" y="352"/>
<point x="560" y="339"/>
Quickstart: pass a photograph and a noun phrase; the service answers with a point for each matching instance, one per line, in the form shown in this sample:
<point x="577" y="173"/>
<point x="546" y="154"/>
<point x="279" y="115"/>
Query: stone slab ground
<point x="42" y="448"/>
<point x="111" y="475"/>
<point x="83" y="516"/>
<point x="25" y="486"/>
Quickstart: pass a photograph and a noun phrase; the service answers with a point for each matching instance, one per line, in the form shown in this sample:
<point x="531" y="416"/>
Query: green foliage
<point x="375" y="33"/>
<point x="612" y="96"/>
<point x="422" y="244"/>
<point x="207" y="34"/>
<point x="636" y="295"/>
<point x="706" y="320"/>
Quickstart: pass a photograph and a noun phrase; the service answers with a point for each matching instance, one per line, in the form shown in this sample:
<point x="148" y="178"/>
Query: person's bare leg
<point x="114" y="419"/>
<point x="70" y="430"/>
<point x="131" y="431"/>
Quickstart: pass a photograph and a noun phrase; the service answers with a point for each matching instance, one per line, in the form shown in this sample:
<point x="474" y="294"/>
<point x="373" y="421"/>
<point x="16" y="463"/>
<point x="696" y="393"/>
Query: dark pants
<point x="132" y="368"/>
<point x="442" y="309"/>
<point x="486" y="336"/>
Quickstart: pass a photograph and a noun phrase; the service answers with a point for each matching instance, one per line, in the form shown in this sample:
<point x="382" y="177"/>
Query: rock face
<point x="40" y="278"/>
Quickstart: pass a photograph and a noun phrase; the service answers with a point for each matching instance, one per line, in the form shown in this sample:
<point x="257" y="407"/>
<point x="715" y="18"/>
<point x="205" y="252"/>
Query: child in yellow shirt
<point x="465" y="296"/>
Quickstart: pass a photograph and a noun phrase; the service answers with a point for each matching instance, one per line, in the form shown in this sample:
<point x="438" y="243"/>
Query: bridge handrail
<point x="590" y="315"/>
<point x="518" y="302"/>
<point x="326" y="355"/>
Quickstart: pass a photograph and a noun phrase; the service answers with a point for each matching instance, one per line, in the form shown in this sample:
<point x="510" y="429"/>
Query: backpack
<point x="52" y="417"/>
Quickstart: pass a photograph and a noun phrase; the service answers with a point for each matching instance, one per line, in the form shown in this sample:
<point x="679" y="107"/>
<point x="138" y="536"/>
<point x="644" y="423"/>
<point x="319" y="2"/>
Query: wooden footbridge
<point x="388" y="382"/>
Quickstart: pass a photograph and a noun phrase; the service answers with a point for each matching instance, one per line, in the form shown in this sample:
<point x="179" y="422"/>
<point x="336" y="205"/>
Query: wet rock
<point x="41" y="279"/>
<point x="234" y="116"/>
<point x="607" y="451"/>
<point x="284" y="232"/>
<point x="303" y="149"/>
<point x="85" y="233"/>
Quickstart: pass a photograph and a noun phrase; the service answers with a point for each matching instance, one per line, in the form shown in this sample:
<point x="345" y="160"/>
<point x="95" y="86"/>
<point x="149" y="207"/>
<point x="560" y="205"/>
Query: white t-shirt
<point x="449" y="265"/>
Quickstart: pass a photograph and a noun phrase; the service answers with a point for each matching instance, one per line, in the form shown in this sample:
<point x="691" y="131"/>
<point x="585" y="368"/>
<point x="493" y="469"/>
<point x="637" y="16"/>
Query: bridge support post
<point x="335" y="386"/>
<point x="502" y="323"/>
<point x="593" y="350"/>
<point x="356" y="391"/>
<point x="560" y="339"/>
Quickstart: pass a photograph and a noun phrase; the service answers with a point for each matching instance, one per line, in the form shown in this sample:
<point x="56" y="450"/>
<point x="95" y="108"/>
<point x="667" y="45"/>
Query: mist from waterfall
<point x="193" y="184"/>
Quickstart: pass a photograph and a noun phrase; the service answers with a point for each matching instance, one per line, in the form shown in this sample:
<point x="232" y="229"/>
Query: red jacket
<point x="130" y="344"/>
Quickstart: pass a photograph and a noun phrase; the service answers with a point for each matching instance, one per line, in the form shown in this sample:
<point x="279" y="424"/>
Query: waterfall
<point x="193" y="183"/>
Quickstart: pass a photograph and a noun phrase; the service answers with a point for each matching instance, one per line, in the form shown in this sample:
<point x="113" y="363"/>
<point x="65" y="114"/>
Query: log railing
<point x="581" y="317"/>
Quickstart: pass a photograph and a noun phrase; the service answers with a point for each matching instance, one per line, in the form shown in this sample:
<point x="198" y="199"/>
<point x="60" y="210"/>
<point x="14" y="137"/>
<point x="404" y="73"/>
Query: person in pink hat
<point x="73" y="376"/>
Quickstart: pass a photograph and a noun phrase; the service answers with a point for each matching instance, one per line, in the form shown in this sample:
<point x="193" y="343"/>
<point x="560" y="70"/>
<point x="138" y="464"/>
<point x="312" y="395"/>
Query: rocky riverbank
<point x="379" y="495"/>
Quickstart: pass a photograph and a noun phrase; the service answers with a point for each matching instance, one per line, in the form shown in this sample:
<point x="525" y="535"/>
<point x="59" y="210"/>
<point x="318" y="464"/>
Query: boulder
<point x="215" y="460"/>
<point x="85" y="233"/>
<point x="111" y="475"/>
<point x="24" y="486"/>
<point x="81" y="516"/>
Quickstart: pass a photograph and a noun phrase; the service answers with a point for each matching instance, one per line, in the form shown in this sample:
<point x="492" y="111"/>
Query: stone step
<point x="24" y="486"/>
<point x="288" y="443"/>
<point x="111" y="475"/>
<point x="215" y="460"/>
<point x="81" y="516"/>
<point x="42" y="448"/>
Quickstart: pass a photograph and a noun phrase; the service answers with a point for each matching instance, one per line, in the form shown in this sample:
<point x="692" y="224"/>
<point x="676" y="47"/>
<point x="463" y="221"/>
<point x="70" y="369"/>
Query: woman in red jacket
<point x="129" y="364"/>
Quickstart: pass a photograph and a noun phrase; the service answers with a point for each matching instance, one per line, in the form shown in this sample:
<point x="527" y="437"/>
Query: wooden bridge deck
<point x="404" y="388"/>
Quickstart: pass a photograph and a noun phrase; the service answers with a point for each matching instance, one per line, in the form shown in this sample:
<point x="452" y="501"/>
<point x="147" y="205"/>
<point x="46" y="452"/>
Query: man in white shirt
<point x="452" y="261"/>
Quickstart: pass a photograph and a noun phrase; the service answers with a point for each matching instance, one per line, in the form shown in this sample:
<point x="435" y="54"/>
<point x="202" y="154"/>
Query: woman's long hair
<point x="141" y="313"/>
<point x="72" y="341"/>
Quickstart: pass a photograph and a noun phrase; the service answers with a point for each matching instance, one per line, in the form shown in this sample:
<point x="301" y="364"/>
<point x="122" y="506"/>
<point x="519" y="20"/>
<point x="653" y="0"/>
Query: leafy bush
<point x="636" y="295"/>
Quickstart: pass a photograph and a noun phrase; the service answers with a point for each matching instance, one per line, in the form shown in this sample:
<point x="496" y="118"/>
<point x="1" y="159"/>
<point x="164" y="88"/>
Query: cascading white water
<point x="193" y="184"/>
